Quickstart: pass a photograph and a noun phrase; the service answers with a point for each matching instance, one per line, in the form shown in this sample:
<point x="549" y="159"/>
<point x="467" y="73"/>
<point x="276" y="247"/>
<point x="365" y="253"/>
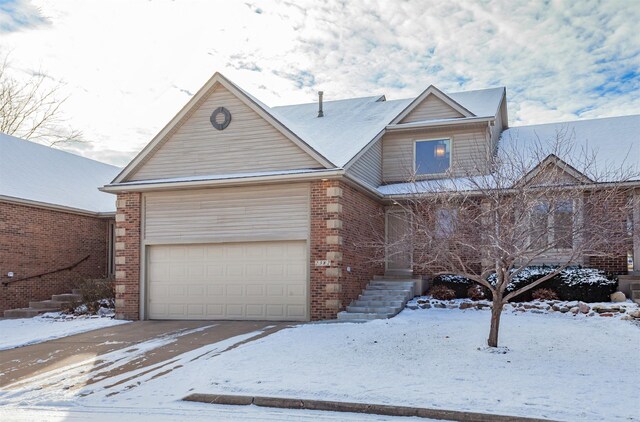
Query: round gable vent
<point x="220" y="118"/>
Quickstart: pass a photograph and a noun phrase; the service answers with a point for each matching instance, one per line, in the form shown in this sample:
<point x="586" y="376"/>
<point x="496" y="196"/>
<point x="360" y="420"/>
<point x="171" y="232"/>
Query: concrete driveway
<point x="151" y="342"/>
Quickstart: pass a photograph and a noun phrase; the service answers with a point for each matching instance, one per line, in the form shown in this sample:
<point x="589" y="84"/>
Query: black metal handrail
<point x="69" y="267"/>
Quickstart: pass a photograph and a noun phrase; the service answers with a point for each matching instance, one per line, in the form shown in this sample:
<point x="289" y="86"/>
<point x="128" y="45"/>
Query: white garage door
<point x="248" y="280"/>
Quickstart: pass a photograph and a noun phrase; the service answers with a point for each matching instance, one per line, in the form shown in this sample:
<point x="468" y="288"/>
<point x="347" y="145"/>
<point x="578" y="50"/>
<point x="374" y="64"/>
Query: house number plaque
<point x="322" y="263"/>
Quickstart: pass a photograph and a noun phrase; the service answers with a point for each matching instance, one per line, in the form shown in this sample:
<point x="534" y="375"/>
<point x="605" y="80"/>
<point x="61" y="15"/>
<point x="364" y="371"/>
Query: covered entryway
<point x="233" y="253"/>
<point x="250" y="280"/>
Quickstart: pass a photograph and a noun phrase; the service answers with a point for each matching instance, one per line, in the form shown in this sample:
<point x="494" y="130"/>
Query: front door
<point x="398" y="242"/>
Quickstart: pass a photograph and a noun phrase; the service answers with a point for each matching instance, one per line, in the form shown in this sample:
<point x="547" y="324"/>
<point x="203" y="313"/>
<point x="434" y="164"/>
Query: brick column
<point x="342" y="219"/>
<point x="128" y="256"/>
<point x="326" y="244"/>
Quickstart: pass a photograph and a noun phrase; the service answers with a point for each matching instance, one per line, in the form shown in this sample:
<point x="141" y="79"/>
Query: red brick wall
<point x="36" y="240"/>
<point x="128" y="256"/>
<point x="342" y="219"/>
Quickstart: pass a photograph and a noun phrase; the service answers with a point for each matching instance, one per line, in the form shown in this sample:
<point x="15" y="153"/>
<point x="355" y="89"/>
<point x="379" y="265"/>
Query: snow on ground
<point x="24" y="331"/>
<point x="556" y="366"/>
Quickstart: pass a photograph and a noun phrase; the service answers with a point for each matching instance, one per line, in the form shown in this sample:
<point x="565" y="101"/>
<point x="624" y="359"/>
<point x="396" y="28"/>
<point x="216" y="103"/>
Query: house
<point x="236" y="210"/>
<point x="55" y="226"/>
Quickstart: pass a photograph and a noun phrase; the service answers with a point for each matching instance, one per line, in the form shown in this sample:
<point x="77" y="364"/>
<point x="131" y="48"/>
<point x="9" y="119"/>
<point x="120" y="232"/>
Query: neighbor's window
<point x="552" y="225"/>
<point x="433" y="157"/>
<point x="446" y="219"/>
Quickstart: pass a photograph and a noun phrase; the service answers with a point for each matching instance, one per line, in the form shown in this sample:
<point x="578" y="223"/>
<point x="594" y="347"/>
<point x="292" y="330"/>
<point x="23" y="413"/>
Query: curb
<point x="373" y="409"/>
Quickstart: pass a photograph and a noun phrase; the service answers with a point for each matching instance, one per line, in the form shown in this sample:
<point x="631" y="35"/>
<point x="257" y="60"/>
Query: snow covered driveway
<point x="25" y="331"/>
<point x="557" y="366"/>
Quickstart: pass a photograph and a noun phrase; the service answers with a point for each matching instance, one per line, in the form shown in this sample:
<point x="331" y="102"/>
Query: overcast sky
<point x="129" y="66"/>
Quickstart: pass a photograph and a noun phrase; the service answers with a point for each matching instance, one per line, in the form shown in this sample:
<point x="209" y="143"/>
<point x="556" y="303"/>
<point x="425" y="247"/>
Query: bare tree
<point x="548" y="202"/>
<point x="32" y="110"/>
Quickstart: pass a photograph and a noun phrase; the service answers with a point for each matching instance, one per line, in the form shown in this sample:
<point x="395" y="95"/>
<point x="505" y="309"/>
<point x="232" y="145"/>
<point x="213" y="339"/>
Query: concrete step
<point x="27" y="312"/>
<point x="48" y="304"/>
<point x="391" y="288"/>
<point x="67" y="297"/>
<point x="394" y="275"/>
<point x="635" y="286"/>
<point x="373" y="296"/>
<point x="381" y="302"/>
<point x="397" y="284"/>
<point x="351" y="316"/>
<point x="630" y="277"/>
<point x="374" y="309"/>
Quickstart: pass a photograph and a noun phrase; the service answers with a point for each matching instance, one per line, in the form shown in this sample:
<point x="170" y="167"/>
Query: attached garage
<point x="232" y="253"/>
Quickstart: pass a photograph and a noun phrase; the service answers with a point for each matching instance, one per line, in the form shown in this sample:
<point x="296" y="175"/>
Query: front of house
<point x="240" y="211"/>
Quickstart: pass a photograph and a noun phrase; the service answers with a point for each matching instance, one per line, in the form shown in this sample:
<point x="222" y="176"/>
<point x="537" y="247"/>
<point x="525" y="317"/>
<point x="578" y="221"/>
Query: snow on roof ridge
<point x="571" y="122"/>
<point x="368" y="97"/>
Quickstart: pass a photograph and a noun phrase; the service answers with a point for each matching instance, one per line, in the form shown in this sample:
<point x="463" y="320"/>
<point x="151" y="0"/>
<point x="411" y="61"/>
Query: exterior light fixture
<point x="439" y="151"/>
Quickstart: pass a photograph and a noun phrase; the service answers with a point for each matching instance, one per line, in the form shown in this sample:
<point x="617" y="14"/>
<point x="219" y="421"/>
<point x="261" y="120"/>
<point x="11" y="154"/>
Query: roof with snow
<point x="39" y="173"/>
<point x="349" y="125"/>
<point x="613" y="142"/>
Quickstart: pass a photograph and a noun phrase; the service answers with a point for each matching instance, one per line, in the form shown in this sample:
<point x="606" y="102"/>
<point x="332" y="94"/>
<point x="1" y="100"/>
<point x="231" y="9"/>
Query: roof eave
<point x="144" y="186"/>
<point x="437" y="123"/>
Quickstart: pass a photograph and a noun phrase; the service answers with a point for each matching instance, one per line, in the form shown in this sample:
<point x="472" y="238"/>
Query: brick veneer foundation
<point x="127" y="256"/>
<point x="37" y="240"/>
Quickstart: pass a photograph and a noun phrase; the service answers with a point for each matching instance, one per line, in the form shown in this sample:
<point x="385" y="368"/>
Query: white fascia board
<point x="143" y="186"/>
<point x="436" y="123"/>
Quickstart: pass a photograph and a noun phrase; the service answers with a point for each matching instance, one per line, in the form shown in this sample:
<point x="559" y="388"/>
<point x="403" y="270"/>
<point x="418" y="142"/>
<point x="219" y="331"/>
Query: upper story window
<point x="432" y="156"/>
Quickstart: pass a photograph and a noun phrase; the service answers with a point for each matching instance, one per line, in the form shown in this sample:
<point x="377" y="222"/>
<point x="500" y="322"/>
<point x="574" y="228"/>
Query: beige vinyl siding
<point x="496" y="129"/>
<point x="368" y="167"/>
<point x="431" y="108"/>
<point x="248" y="144"/>
<point x="468" y="148"/>
<point x="270" y="212"/>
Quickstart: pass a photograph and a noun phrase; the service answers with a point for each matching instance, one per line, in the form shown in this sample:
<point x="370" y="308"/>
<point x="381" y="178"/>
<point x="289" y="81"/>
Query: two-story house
<point x="236" y="210"/>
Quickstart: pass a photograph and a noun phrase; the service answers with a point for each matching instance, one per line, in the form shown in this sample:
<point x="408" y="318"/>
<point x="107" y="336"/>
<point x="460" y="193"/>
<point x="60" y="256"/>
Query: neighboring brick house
<point x="54" y="223"/>
<point x="236" y="210"/>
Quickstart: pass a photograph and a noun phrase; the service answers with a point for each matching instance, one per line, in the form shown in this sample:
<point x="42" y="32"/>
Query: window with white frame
<point x="432" y="156"/>
<point x="551" y="225"/>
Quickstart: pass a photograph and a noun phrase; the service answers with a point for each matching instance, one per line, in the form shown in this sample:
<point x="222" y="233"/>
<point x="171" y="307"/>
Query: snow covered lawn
<point x="556" y="366"/>
<point x="24" y="331"/>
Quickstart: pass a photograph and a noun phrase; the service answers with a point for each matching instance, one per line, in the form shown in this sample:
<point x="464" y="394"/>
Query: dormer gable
<point x="432" y="104"/>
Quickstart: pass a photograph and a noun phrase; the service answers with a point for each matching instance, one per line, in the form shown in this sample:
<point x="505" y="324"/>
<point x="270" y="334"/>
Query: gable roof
<point x="38" y="173"/>
<point x="432" y="90"/>
<point x="481" y="102"/>
<point x="346" y="128"/>
<point x="186" y="111"/>
<point x="614" y="141"/>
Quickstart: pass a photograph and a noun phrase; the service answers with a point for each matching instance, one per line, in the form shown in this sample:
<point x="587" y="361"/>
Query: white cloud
<point x="129" y="66"/>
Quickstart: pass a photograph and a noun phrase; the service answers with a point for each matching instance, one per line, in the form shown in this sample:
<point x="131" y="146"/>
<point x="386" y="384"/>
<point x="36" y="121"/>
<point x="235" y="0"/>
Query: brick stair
<point x="55" y="304"/>
<point x="382" y="298"/>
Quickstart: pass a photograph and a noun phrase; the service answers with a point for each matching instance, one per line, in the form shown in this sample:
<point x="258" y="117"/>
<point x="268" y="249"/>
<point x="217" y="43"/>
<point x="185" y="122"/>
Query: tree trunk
<point x="496" y="312"/>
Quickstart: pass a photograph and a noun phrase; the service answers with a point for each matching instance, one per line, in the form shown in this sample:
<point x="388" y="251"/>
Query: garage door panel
<point x="249" y="280"/>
